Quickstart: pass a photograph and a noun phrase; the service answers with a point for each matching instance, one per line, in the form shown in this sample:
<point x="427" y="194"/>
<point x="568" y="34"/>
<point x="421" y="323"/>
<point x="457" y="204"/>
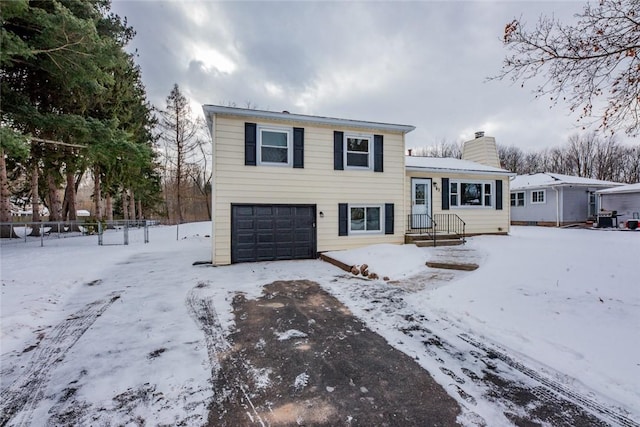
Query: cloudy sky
<point x="419" y="63"/>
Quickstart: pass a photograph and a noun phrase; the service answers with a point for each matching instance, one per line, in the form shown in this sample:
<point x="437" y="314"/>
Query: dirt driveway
<point x="299" y="357"/>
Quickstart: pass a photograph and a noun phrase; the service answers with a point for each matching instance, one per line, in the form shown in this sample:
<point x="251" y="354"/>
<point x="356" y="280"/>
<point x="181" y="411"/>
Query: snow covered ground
<point x="107" y="335"/>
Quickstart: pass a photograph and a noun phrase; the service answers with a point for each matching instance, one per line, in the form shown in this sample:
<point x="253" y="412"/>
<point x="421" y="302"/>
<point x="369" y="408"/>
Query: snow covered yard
<point x="129" y="348"/>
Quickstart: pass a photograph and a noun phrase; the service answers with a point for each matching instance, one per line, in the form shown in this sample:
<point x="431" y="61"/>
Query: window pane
<point x="471" y="194"/>
<point x="358" y="160"/>
<point x="373" y="219"/>
<point x="454" y="200"/>
<point x="274" y="139"/>
<point x="274" y="155"/>
<point x="358" y="144"/>
<point x="357" y="219"/>
<point x="513" y="199"/>
<point x="487" y="199"/>
<point x="420" y="194"/>
<point x="487" y="189"/>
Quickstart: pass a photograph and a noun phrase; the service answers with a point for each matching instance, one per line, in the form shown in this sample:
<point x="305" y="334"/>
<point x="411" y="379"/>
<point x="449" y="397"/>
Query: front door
<point x="420" y="203"/>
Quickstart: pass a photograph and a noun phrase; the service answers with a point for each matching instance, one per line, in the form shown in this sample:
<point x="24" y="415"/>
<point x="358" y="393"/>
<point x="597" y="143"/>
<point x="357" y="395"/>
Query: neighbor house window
<point x="464" y="193"/>
<point x="358" y="151"/>
<point x="517" y="199"/>
<point x="537" y="196"/>
<point x="274" y="146"/>
<point x="365" y="219"/>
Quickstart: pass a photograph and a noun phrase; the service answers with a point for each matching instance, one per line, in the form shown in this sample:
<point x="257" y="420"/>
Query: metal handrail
<point x="448" y="223"/>
<point x="451" y="223"/>
<point x="422" y="224"/>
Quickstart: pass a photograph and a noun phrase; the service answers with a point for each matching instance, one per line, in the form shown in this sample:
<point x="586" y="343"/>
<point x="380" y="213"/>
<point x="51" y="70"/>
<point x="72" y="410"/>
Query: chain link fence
<point x="106" y="232"/>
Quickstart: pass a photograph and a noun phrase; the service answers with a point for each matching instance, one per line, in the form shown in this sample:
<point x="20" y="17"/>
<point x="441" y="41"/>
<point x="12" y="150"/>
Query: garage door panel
<point x="264" y="211"/>
<point x="285" y="211"/>
<point x="244" y="211"/>
<point x="265" y="238"/>
<point x="272" y="232"/>
<point x="245" y="224"/>
<point x="246" y="239"/>
<point x="284" y="223"/>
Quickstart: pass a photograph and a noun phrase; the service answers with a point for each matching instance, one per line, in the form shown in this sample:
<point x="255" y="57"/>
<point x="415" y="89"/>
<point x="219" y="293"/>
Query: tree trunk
<point x="132" y="205"/>
<point x="54" y="199"/>
<point x="179" y="218"/>
<point x="125" y="205"/>
<point x="5" y="204"/>
<point x="97" y="193"/>
<point x="109" y="206"/>
<point x="140" y="216"/>
<point x="35" y="198"/>
<point x="71" y="196"/>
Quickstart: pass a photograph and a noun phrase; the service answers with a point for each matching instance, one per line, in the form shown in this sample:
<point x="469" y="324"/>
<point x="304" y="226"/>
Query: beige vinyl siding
<point x="482" y="150"/>
<point x="317" y="184"/>
<point x="478" y="220"/>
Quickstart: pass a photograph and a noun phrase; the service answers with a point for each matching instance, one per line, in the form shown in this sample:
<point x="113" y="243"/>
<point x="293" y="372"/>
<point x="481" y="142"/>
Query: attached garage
<point x="272" y="232"/>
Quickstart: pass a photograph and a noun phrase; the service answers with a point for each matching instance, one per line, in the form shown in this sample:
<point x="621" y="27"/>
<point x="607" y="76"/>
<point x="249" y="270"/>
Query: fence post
<point x="146" y="231"/>
<point x="126" y="232"/>
<point x="99" y="233"/>
<point x="41" y="235"/>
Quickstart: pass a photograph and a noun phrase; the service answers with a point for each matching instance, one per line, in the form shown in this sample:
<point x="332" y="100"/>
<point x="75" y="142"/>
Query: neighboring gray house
<point x="554" y="199"/>
<point x="625" y="200"/>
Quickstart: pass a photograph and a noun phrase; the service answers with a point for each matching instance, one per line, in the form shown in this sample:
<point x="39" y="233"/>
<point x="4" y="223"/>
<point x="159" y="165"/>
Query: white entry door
<point x="420" y="202"/>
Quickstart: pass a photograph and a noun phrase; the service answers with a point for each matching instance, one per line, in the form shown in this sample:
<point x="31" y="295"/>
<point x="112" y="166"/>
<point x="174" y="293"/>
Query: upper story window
<point x="537" y="196"/>
<point x="517" y="198"/>
<point x="274" y="146"/>
<point x="358" y="151"/>
<point x="465" y="193"/>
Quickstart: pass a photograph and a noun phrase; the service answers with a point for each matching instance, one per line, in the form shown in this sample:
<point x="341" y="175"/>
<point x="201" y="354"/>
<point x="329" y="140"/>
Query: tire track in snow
<point x="546" y="400"/>
<point x="20" y="398"/>
<point x="557" y="387"/>
<point x="203" y="312"/>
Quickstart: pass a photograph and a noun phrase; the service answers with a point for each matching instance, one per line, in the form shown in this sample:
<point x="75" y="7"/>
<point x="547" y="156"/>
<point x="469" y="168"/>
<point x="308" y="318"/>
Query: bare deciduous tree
<point x="443" y="148"/>
<point x="180" y="135"/>
<point x="594" y="62"/>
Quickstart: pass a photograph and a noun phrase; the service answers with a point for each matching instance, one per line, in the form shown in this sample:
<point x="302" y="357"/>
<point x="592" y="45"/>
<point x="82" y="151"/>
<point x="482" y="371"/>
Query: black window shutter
<point x="445" y="194"/>
<point x="343" y="219"/>
<point x="298" y="147"/>
<point x="378" y="153"/>
<point x="338" y="151"/>
<point x="388" y="218"/>
<point x="250" y="144"/>
<point x="499" y="194"/>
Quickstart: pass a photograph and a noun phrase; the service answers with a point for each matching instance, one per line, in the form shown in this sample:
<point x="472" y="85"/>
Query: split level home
<point x="553" y="199"/>
<point x="289" y="186"/>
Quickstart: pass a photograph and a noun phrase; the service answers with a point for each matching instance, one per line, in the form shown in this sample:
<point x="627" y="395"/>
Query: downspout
<point x="557" y="206"/>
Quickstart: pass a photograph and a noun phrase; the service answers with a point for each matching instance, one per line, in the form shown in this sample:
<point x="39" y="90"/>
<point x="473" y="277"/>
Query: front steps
<point x="423" y="240"/>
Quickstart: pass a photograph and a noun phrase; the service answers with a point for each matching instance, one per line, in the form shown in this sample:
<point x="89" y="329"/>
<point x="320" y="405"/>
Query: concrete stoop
<point x="424" y="240"/>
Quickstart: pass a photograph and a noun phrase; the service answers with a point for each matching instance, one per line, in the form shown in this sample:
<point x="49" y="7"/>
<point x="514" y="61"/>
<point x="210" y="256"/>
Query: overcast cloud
<point x="418" y="63"/>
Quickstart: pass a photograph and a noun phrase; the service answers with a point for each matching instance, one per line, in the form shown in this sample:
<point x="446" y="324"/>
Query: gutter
<point x="302" y="118"/>
<point x="464" y="171"/>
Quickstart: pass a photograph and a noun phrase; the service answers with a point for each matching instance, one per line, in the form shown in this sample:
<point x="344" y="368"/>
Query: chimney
<point x="481" y="150"/>
<point x="409" y="150"/>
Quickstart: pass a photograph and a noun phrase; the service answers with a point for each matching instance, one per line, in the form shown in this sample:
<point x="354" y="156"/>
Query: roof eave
<point x="453" y="170"/>
<point x="301" y="118"/>
<point x="562" y="184"/>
